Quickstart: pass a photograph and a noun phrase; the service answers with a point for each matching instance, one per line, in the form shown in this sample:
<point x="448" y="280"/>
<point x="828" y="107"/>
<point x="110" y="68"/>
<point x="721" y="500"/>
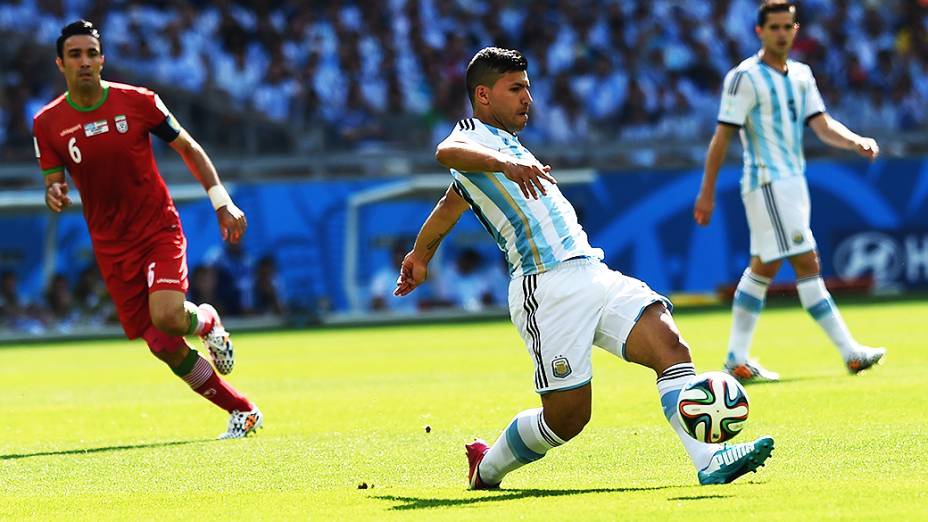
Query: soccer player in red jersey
<point x="100" y="133"/>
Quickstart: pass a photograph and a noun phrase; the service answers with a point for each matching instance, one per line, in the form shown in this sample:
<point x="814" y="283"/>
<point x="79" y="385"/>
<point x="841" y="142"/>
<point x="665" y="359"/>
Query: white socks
<point x="817" y="301"/>
<point x="669" y="385"/>
<point x="525" y="440"/>
<point x="528" y="437"/>
<point x="745" y="310"/>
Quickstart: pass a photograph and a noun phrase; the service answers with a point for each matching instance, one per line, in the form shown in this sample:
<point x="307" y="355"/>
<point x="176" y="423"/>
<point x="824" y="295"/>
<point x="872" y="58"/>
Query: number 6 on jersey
<point x="74" y="151"/>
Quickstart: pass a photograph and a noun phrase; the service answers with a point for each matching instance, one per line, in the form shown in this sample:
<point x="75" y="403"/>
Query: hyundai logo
<point x="869" y="253"/>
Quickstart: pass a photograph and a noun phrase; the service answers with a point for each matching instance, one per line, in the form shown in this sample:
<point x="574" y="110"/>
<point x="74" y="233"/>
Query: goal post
<point x="420" y="187"/>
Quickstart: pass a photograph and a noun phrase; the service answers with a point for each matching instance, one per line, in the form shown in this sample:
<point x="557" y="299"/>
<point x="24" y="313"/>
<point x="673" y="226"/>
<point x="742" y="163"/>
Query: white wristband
<point x="218" y="196"/>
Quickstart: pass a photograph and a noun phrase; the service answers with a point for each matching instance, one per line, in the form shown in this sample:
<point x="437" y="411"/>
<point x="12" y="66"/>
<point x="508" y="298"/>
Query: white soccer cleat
<point x="864" y="357"/>
<point x="243" y="423"/>
<point x="219" y="344"/>
<point x="751" y="372"/>
<point x="732" y="461"/>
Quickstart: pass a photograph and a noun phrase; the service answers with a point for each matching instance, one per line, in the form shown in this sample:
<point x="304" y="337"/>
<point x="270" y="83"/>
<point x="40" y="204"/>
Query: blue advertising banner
<point x="868" y="219"/>
<point x="644" y="221"/>
<point x="894" y="259"/>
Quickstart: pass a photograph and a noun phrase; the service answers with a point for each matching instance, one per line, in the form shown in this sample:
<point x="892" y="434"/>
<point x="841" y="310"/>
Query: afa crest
<point x="560" y="367"/>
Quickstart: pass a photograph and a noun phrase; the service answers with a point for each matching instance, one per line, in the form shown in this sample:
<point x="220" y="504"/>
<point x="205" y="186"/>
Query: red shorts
<point x="129" y="278"/>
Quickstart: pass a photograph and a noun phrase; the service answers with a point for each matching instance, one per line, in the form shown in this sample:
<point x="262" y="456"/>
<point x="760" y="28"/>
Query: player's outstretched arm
<point x="232" y="222"/>
<point x="465" y="156"/>
<point x="834" y="133"/>
<point x="444" y="216"/>
<point x="56" y="192"/>
<point x="718" y="147"/>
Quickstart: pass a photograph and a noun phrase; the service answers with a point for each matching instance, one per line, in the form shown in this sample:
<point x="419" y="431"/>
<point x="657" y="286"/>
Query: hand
<point x="868" y="148"/>
<point x="528" y="175"/>
<point x="56" y="196"/>
<point x="232" y="223"/>
<point x="702" y="210"/>
<point x="413" y="272"/>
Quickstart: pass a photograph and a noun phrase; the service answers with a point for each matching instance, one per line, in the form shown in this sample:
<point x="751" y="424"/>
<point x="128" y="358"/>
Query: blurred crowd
<point x="359" y="71"/>
<point x="228" y="278"/>
<point x="470" y="281"/>
<point x="236" y="283"/>
<point x="61" y="308"/>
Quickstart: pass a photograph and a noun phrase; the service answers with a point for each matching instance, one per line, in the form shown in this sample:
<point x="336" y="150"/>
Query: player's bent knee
<point x="765" y="269"/>
<point x="667" y="346"/>
<point x="677" y="347"/>
<point x="567" y="426"/>
<point x="676" y="354"/>
<point x="168" y="320"/>
<point x="674" y="350"/>
<point x="806" y="265"/>
<point x="567" y="413"/>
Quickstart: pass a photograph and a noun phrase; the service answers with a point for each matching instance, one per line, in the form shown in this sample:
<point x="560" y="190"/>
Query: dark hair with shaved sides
<point x="489" y="64"/>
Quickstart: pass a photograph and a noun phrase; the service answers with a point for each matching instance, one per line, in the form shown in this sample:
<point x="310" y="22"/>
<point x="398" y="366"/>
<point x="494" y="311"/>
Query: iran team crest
<point x="122" y="125"/>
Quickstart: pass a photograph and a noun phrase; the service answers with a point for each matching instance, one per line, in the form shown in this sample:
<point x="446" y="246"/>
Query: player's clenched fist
<point x="868" y="148"/>
<point x="232" y="222"/>
<point x="56" y="196"/>
<point x="528" y="175"/>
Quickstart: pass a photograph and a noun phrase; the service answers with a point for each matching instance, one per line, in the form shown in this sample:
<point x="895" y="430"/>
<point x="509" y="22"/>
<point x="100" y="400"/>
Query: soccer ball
<point x="713" y="407"/>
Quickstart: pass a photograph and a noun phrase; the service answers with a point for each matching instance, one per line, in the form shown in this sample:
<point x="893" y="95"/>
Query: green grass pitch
<point x="101" y="430"/>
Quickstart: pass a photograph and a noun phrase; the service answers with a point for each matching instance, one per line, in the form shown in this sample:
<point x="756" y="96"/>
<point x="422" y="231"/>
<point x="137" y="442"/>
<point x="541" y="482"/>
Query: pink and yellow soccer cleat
<point x="475" y="452"/>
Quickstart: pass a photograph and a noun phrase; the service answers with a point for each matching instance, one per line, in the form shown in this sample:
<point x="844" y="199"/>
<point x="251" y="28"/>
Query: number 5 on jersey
<point x="73" y="150"/>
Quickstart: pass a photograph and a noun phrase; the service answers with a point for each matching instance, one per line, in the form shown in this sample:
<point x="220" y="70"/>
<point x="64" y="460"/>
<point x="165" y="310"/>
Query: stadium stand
<point x="330" y="75"/>
<point x="370" y="87"/>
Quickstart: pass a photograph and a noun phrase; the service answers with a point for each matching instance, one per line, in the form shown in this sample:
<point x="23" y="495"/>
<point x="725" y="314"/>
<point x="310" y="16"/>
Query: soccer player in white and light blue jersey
<point x="769" y="99"/>
<point x="562" y="298"/>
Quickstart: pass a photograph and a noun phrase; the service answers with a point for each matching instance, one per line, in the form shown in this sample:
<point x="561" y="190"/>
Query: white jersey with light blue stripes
<point x="771" y="108"/>
<point x="535" y="235"/>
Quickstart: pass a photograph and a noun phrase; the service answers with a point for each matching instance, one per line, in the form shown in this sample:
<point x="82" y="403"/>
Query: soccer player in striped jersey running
<point x="562" y="298"/>
<point x="769" y="99"/>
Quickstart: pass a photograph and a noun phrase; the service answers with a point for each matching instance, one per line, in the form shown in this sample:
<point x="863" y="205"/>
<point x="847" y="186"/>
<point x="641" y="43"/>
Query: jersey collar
<point x="772" y="68"/>
<point x="497" y="130"/>
<point x="106" y="93"/>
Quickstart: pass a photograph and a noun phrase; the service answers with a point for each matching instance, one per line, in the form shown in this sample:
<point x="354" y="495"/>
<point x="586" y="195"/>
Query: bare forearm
<point x="436" y="227"/>
<point x="200" y="165"/>
<point x="718" y="147"/>
<point x="836" y="134"/>
<point x="467" y="157"/>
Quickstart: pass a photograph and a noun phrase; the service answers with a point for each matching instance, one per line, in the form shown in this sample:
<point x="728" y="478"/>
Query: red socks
<point x="199" y="375"/>
<point x="222" y="394"/>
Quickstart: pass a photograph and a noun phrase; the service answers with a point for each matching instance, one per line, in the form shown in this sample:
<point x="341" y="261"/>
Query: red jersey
<point x="107" y="151"/>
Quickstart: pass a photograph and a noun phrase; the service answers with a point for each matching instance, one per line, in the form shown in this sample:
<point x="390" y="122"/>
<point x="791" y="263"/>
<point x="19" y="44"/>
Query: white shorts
<point x="563" y="312"/>
<point x="778" y="217"/>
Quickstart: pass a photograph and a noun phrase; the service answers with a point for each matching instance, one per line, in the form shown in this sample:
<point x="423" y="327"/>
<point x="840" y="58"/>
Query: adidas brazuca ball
<point x="713" y="407"/>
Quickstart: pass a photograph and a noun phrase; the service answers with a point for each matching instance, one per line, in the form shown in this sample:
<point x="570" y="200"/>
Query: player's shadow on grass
<point x="102" y="449"/>
<point x="505" y="495"/>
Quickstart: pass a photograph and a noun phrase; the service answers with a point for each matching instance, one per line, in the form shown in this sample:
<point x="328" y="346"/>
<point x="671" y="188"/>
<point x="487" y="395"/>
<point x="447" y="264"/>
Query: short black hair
<point x="74" y="29"/>
<point x="774" y="6"/>
<point x="489" y="64"/>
